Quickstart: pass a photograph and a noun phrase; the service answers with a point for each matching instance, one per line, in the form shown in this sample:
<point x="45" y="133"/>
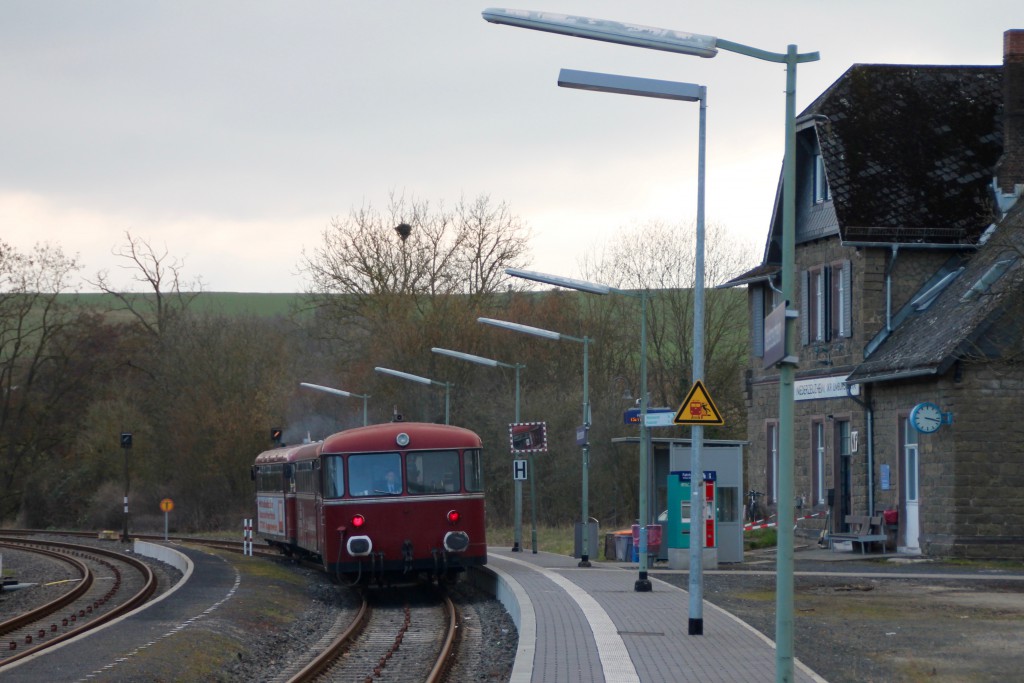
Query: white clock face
<point x="926" y="417"/>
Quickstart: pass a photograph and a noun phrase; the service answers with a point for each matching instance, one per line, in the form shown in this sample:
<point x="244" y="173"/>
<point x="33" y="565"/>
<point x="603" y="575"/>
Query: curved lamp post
<point x="339" y="392"/>
<point x="586" y="341"/>
<point x="422" y="380"/>
<point x="643" y="584"/>
<point x="707" y="46"/>
<point x="490" y="362"/>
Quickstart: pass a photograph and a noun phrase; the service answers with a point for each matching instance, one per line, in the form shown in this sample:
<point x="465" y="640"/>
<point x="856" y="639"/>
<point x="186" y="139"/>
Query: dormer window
<point x="821" y="190"/>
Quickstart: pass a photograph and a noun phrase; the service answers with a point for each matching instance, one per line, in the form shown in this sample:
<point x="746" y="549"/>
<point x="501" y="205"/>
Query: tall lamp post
<point x="586" y="341"/>
<point x="643" y="584"/>
<point x="707" y="46"/>
<point x="339" y="392"/>
<point x="687" y="92"/>
<point x="490" y="362"/>
<point x="422" y="380"/>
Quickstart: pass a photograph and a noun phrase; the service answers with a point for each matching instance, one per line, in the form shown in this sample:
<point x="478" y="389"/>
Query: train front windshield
<point x="425" y="472"/>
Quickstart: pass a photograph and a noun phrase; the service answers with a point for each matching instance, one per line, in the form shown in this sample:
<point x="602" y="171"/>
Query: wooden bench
<point x="863" y="530"/>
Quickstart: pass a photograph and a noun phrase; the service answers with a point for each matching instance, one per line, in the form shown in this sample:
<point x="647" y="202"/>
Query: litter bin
<point x="892" y="521"/>
<point x="592" y="547"/>
<point x="623" y="547"/>
<point x="653" y="540"/>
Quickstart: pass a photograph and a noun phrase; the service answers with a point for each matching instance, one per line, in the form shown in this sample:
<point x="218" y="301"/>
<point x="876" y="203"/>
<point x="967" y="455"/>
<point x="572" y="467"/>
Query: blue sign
<point x="684" y="475"/>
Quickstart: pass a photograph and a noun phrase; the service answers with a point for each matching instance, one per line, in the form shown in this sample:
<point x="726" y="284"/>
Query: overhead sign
<point x="632" y="416"/>
<point x="698" y="408"/>
<point x="660" y="419"/>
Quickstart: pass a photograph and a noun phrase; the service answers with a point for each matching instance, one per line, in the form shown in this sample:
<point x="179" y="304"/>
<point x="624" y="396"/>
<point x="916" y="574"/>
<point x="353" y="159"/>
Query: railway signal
<point x="275" y="434"/>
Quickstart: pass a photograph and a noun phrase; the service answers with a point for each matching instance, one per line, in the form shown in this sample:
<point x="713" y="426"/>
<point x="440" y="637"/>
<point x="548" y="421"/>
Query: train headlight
<point x="358" y="521"/>
<point x="454" y="516"/>
<point x="359" y="546"/>
<point x="456" y="541"/>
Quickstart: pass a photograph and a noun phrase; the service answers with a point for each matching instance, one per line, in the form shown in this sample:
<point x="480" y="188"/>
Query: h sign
<point x="518" y="470"/>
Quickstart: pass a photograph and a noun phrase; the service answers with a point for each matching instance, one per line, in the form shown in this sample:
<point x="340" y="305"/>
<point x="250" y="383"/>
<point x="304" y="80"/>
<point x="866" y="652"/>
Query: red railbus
<point x="379" y="502"/>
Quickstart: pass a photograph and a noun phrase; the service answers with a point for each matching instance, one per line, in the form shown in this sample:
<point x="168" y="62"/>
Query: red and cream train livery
<point x="400" y="498"/>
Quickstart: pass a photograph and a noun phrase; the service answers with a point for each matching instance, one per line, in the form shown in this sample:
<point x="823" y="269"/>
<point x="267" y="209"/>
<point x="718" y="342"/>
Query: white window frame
<point x="822" y="192"/>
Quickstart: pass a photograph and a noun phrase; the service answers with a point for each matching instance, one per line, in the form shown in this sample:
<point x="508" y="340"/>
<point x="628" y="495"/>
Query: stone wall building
<point x="909" y="241"/>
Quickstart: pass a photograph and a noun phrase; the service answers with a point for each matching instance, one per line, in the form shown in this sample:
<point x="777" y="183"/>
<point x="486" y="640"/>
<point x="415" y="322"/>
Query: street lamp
<point x="422" y="380"/>
<point x="707" y="46"/>
<point x="489" y="362"/>
<point x="643" y="584"/>
<point x="586" y="341"/>
<point x="339" y="392"/>
<point x="687" y="92"/>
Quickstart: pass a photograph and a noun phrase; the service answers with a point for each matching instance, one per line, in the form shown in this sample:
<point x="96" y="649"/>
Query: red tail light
<point x="358" y="521"/>
<point x="454" y="516"/>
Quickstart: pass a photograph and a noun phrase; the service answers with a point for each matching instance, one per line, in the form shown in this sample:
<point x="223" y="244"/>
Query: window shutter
<point x="829" y="302"/>
<point x="846" y="329"/>
<point x="757" y="319"/>
<point x="805" y="311"/>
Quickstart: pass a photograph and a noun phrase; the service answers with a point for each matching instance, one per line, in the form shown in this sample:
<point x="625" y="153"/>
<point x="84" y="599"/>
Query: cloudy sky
<point x="232" y="132"/>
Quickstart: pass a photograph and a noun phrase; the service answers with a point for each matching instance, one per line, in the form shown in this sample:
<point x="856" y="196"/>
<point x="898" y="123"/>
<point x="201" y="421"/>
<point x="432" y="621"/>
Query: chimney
<point x="1010" y="169"/>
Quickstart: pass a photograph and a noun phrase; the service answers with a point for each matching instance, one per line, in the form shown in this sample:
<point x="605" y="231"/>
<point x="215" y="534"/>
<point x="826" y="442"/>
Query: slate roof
<point x="928" y="342"/>
<point x="910" y="151"/>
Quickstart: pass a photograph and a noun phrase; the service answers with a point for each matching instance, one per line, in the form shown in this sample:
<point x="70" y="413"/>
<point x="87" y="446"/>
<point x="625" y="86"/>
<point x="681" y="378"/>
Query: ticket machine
<point x="679" y="521"/>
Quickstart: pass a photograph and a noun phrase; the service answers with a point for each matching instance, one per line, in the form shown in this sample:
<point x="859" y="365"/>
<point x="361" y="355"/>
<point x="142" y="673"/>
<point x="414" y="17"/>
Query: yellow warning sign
<point x="698" y="408"/>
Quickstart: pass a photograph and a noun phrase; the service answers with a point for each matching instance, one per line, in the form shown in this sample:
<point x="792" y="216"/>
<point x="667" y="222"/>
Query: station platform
<point x="589" y="624"/>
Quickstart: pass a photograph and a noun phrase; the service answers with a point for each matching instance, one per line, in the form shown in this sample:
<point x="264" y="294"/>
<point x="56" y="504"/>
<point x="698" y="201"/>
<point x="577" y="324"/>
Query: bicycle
<point x="754" y="510"/>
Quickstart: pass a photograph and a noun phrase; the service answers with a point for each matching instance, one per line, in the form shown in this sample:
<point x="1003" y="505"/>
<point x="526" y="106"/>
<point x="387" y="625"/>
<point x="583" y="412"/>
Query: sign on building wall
<point x="823" y="387"/>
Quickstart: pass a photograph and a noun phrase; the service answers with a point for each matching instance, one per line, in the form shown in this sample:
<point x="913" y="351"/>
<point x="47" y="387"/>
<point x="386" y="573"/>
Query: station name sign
<point x="823" y="387"/>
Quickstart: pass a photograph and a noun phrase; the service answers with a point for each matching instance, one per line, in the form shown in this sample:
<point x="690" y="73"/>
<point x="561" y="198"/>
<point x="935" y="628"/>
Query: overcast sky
<point x="232" y="132"/>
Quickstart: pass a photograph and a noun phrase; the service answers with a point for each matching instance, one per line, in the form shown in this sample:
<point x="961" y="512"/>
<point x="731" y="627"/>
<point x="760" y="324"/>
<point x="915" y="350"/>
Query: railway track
<point x="408" y="635"/>
<point x="102" y="585"/>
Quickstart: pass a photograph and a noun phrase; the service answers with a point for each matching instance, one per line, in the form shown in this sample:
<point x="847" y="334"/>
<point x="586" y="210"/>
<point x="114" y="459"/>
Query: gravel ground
<point x="872" y="626"/>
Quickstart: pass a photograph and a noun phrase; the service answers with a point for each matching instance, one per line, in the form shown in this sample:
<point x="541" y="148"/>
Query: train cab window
<point x="473" y="474"/>
<point x="368" y="474"/>
<point x="432" y="472"/>
<point x="268" y="478"/>
<point x="334" y="476"/>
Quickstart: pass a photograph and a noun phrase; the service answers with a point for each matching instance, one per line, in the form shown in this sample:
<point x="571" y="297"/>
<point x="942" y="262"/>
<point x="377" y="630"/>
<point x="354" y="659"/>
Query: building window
<point x="817" y="463"/>
<point x="821" y="190"/>
<point x="772" y="461"/>
<point x="826" y="300"/>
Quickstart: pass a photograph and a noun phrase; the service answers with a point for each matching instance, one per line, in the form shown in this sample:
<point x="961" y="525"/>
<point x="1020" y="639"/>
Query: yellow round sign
<point x="166" y="504"/>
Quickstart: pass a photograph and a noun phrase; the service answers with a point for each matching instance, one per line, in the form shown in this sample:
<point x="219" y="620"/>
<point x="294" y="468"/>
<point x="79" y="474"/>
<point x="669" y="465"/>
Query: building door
<point x="843" y="503"/>
<point x="909" y="492"/>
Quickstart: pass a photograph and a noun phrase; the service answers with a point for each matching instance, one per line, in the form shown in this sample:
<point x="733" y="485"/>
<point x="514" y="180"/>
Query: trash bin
<point x="653" y="540"/>
<point x="592" y="548"/>
<point x="623" y="547"/>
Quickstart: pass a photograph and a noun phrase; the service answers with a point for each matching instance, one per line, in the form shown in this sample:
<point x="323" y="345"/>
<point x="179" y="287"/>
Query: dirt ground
<point x="886" y="619"/>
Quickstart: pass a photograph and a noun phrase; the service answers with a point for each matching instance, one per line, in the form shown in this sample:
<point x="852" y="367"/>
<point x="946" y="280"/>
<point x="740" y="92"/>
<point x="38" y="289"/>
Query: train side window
<point x="334" y="476"/>
<point x="472" y="465"/>
<point x="367" y="473"/>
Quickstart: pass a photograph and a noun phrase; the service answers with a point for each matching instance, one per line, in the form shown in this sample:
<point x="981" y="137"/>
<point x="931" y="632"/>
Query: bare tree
<point x="31" y="318"/>
<point x="166" y="293"/>
<point x="661" y="258"/>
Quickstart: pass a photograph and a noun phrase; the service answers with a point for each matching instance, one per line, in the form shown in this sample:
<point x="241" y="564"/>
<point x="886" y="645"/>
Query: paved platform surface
<point x="590" y="625"/>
